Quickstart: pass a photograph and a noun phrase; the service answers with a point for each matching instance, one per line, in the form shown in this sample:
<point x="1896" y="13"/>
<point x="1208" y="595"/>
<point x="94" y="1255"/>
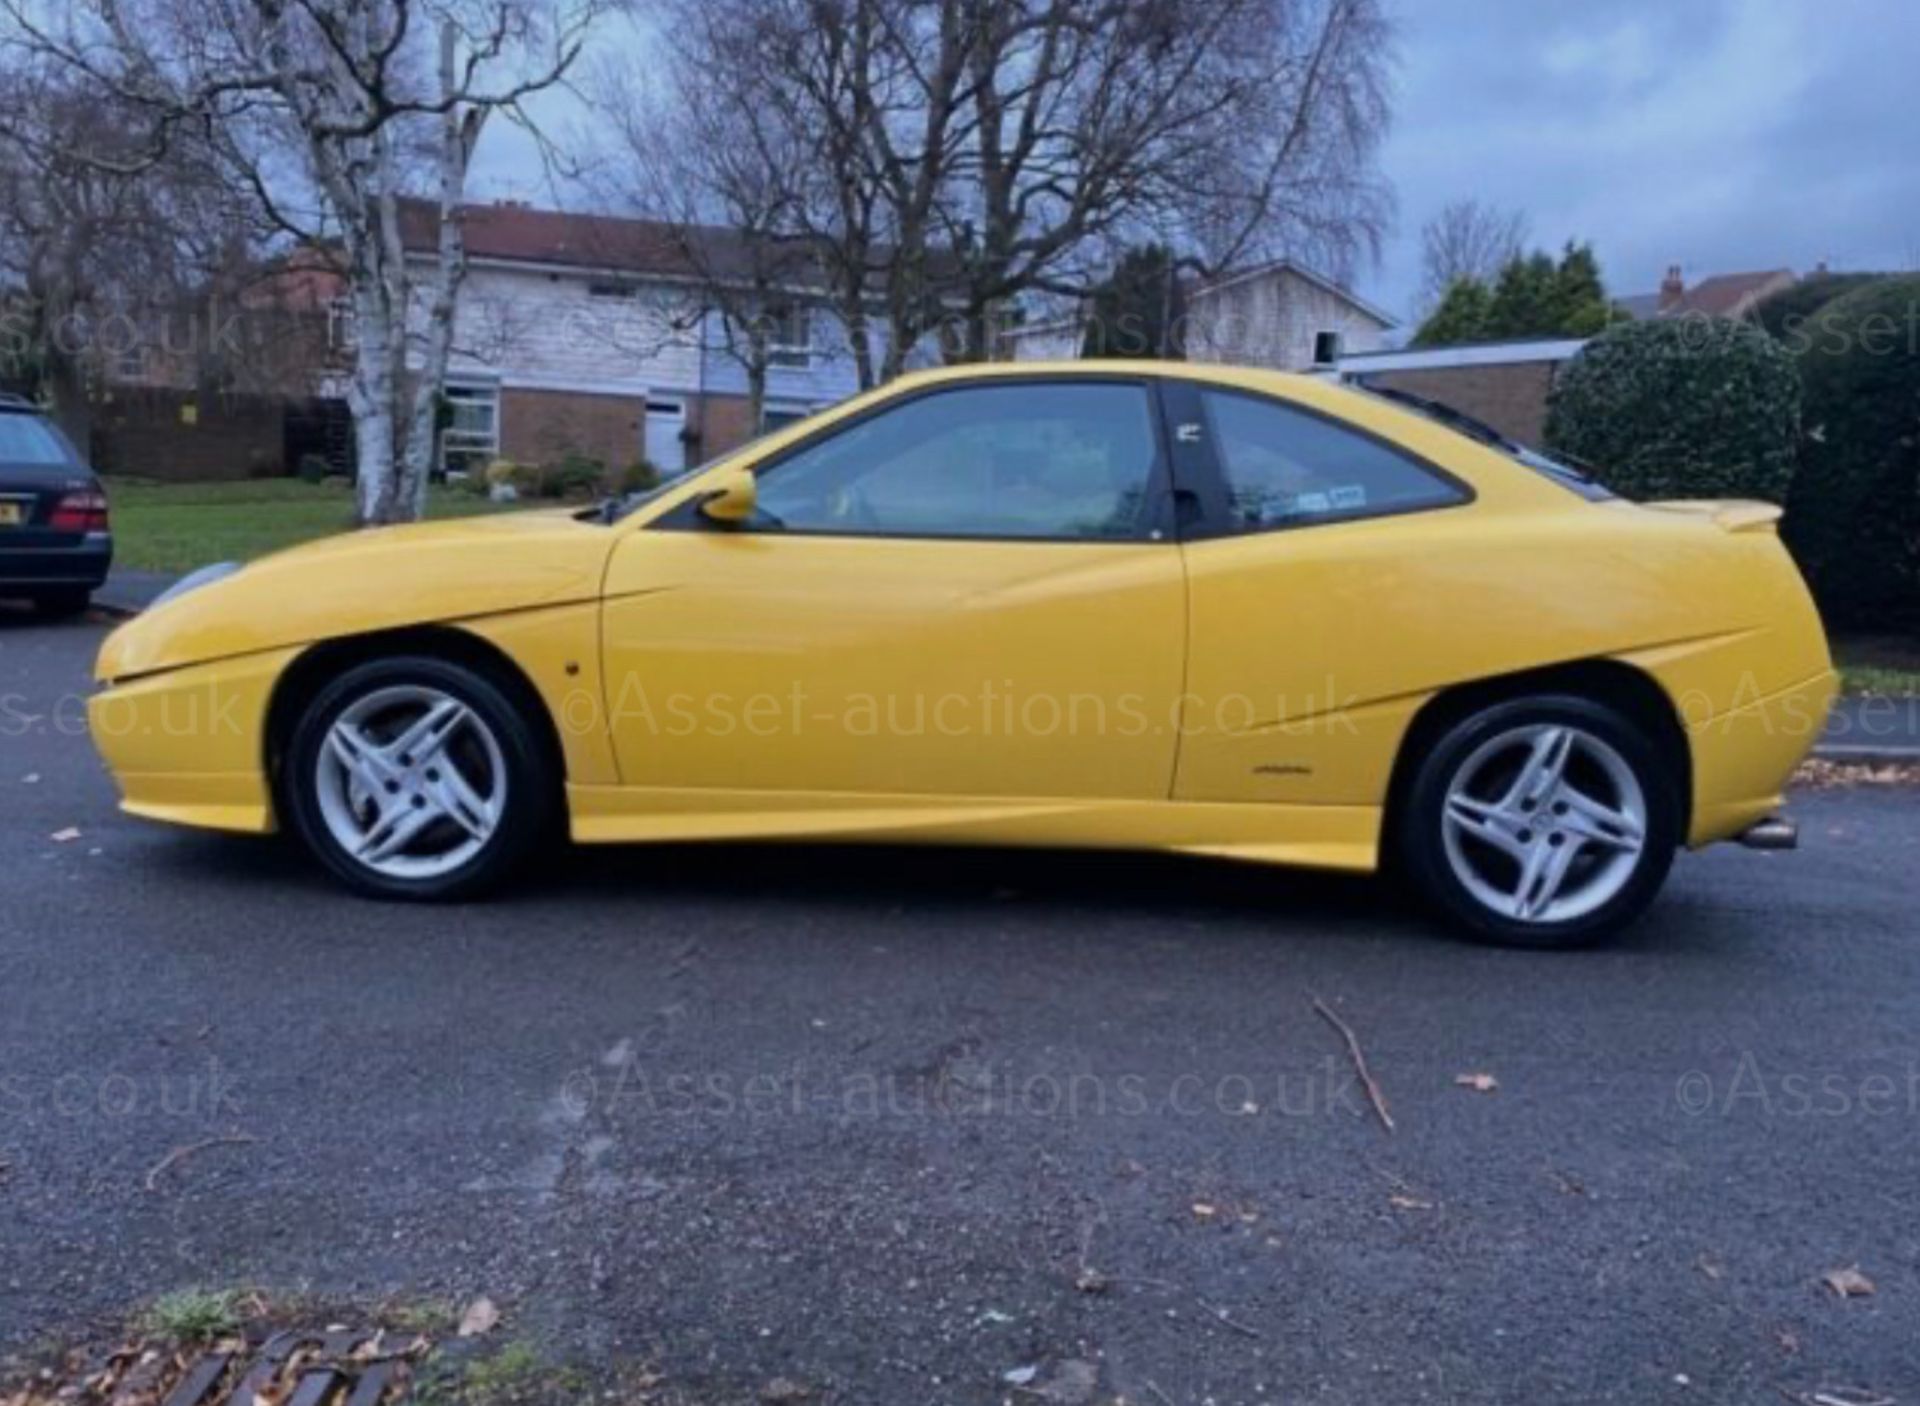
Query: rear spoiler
<point x="1730" y="514"/>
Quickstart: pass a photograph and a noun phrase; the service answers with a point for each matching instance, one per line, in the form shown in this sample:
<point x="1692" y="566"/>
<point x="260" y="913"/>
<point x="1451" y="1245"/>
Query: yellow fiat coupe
<point x="1132" y="605"/>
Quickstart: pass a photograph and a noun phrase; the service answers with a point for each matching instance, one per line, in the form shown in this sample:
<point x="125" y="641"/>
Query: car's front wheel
<point x="1541" y="822"/>
<point x="417" y="778"/>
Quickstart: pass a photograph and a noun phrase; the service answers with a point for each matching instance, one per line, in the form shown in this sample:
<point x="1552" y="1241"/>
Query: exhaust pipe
<point x="1775" y="832"/>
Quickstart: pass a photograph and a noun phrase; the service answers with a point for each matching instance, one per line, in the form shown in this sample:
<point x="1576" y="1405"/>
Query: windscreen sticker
<point x="1346" y="496"/>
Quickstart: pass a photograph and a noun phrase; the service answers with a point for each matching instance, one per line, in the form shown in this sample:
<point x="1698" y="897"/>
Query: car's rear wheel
<point x="417" y="778"/>
<point x="1541" y="822"/>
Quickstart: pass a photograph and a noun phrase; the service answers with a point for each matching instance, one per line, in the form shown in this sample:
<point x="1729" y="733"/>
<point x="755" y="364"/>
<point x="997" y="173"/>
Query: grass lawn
<point x="1887" y="666"/>
<point x="175" y="527"/>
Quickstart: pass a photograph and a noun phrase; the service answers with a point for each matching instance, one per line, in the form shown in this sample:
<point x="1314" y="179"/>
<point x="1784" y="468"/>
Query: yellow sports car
<point x="1130" y="605"/>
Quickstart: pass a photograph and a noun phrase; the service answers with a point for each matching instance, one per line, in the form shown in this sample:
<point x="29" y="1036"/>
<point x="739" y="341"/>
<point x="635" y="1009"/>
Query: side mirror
<point x="732" y="499"/>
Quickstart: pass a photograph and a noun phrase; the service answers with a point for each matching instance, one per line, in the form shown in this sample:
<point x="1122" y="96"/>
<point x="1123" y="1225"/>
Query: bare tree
<point x="102" y="267"/>
<point x="699" y="158"/>
<point x="328" y="113"/>
<point x="1231" y="129"/>
<point x="969" y="152"/>
<point x="1468" y="239"/>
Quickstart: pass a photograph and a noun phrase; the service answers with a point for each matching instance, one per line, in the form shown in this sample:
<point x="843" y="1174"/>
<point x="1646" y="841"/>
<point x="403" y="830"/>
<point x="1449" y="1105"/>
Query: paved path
<point x="129" y="592"/>
<point x="861" y="1119"/>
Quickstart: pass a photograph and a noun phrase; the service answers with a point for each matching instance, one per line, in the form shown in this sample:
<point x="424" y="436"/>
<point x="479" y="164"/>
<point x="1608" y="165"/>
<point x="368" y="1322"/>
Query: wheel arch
<point x="1631" y="691"/>
<point x="310" y="671"/>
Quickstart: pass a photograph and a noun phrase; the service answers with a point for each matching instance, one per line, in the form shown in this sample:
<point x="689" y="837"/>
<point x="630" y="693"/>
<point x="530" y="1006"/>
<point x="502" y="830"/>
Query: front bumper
<point x="1743" y="758"/>
<point x="189" y="746"/>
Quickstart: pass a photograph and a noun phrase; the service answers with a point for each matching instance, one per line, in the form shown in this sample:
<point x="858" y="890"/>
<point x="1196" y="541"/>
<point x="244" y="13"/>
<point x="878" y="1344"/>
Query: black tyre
<point x="1541" y="822"/>
<point x="63" y="604"/>
<point x="418" y="778"/>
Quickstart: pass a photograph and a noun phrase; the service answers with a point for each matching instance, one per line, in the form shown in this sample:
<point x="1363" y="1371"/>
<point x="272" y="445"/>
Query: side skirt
<point x="1311" y="836"/>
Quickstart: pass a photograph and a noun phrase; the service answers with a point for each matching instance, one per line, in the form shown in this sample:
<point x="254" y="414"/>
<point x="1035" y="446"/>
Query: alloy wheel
<point x="1544" y="823"/>
<point x="411" y="782"/>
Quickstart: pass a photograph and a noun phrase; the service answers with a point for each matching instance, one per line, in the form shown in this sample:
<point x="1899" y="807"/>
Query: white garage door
<point x="665" y="450"/>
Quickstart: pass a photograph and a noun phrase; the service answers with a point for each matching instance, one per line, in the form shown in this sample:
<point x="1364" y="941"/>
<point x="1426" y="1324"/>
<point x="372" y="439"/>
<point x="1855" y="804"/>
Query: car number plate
<point x="11" y="515"/>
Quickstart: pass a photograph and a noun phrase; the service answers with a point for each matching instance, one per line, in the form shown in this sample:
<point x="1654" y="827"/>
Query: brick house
<point x="1280" y="315"/>
<point x="1504" y="384"/>
<point x="1721" y="295"/>
<point x="587" y="334"/>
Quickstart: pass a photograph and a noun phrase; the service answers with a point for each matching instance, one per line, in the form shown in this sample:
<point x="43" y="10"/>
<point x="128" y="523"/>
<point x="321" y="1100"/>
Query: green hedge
<point x="1791" y="316"/>
<point x="1688" y="407"/>
<point x="1854" y="516"/>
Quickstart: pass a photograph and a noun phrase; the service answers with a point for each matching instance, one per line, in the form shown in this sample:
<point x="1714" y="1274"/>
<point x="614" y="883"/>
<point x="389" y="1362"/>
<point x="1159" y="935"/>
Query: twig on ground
<point x="1359" y="1061"/>
<point x="1154" y="1387"/>
<point x="180" y="1154"/>
<point x="1221" y="1316"/>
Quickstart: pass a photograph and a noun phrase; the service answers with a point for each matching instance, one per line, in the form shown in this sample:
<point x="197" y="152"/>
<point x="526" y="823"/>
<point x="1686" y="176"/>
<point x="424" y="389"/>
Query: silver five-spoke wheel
<point x="1544" y="823"/>
<point x="411" y="782"/>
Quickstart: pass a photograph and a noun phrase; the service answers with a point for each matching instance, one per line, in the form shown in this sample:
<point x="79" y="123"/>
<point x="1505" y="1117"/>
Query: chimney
<point x="1672" y="289"/>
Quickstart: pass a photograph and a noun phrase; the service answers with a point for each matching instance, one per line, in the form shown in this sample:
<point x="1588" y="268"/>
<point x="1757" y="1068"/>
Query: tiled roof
<point x="523" y="234"/>
<point x="1722" y="295"/>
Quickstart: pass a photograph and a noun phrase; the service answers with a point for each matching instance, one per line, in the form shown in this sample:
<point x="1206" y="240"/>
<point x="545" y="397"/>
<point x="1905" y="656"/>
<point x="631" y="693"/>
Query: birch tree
<point x="330" y="115"/>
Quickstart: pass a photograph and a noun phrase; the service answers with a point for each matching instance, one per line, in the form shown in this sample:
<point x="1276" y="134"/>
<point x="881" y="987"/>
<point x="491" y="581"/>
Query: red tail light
<point x="79" y="512"/>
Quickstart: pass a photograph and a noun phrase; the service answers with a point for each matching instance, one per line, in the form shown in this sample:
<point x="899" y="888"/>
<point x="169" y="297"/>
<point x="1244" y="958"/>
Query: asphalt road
<point x="892" y="1124"/>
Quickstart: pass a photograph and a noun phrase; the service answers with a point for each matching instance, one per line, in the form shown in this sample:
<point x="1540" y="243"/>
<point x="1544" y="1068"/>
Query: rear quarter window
<point x="1286" y="467"/>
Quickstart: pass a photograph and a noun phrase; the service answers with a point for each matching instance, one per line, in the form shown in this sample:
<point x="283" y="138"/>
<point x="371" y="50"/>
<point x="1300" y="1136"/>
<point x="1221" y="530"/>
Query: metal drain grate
<point x="334" y="1367"/>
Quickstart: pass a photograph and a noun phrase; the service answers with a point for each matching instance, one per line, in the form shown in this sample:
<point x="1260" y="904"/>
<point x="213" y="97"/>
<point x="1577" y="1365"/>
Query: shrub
<point x="638" y="477"/>
<point x="314" y="468"/>
<point x="1792" y="315"/>
<point x="1853" y="519"/>
<point x="1688" y="407"/>
<point x="574" y="476"/>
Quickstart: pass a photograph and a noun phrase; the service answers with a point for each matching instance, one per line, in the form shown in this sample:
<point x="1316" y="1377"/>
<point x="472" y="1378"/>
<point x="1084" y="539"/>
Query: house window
<point x="1326" y="348"/>
<point x="778" y="417"/>
<point x="609" y="288"/>
<point x="130" y="364"/>
<point x="471" y="439"/>
<point x="790" y="336"/>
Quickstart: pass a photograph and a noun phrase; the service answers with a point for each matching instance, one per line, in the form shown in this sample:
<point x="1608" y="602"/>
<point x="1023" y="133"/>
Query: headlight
<point x="194" y="580"/>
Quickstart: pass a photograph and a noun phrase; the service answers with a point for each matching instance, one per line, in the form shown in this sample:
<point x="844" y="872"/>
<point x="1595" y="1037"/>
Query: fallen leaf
<point x="1848" y="1283"/>
<point x="1092" y="1281"/>
<point x="66" y="836"/>
<point x="1408" y="1203"/>
<point x="1479" y="1083"/>
<point x="1020" y="1376"/>
<point x="781" y="1389"/>
<point x="1204" y="1210"/>
<point x="479" y="1318"/>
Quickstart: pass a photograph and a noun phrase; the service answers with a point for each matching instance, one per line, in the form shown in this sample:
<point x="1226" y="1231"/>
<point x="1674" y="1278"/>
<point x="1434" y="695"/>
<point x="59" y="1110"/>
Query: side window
<point x="1285" y="467"/>
<point x="1066" y="460"/>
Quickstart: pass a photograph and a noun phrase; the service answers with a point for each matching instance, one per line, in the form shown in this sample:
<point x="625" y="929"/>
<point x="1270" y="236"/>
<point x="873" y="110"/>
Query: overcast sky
<point x="1722" y="135"/>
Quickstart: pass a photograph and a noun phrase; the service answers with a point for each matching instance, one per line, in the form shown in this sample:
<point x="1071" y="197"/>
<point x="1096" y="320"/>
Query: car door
<point x="1319" y="557"/>
<point x="967" y="590"/>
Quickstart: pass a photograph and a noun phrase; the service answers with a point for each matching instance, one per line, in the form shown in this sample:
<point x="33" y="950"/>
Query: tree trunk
<point x="758" y="357"/>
